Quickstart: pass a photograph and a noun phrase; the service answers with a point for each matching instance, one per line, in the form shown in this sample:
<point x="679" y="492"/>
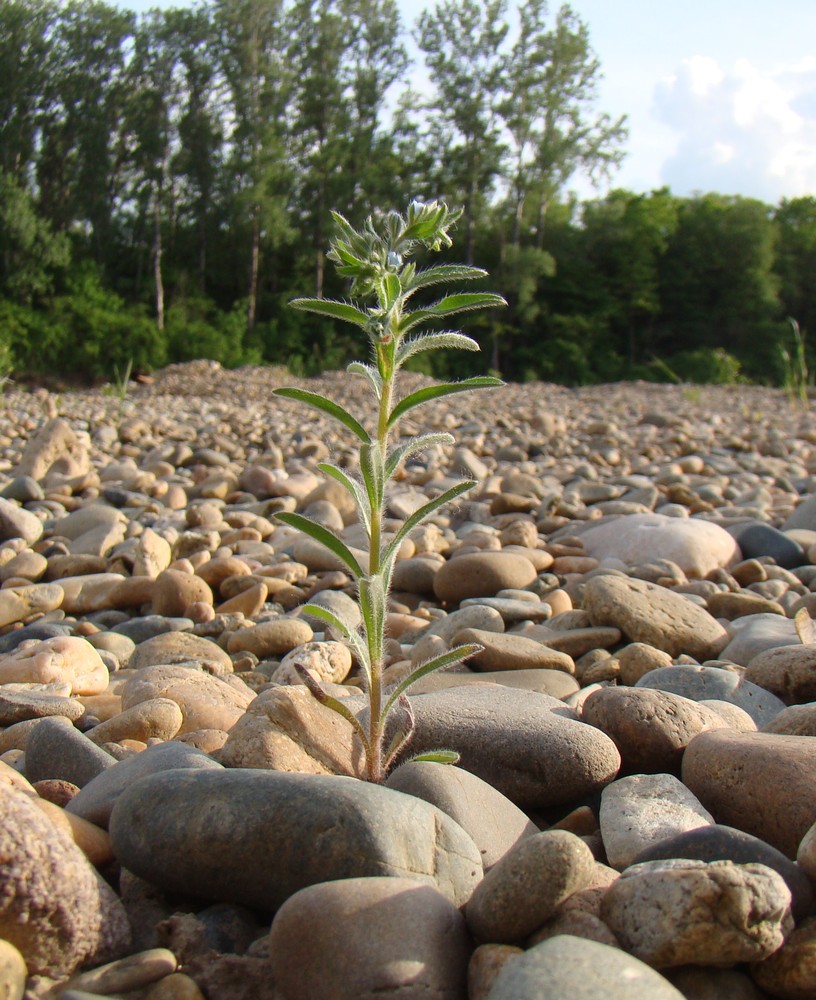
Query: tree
<point x="551" y="81"/>
<point x="461" y="40"/>
<point x="796" y="260"/>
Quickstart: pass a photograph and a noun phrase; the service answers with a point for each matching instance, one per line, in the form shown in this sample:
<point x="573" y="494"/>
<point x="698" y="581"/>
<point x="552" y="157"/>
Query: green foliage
<point x="797" y="376"/>
<point x="705" y="366"/>
<point x="375" y="259"/>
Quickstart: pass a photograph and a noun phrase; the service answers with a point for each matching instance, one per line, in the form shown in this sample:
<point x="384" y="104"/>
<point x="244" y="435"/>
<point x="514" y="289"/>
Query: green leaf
<point x="435" y="391"/>
<point x="352" y="487"/>
<point x="437" y="757"/>
<point x="442" y="273"/>
<point x="391" y="290"/>
<point x="424" y="512"/>
<point x="333" y="409"/>
<point x="369" y="372"/>
<point x="411" y="447"/>
<point x="449" y="306"/>
<point x="371" y="469"/>
<point x="336" y="310"/>
<point x="372" y="607"/>
<point x="455" y="655"/>
<point x="433" y="342"/>
<point x="325" y="537"/>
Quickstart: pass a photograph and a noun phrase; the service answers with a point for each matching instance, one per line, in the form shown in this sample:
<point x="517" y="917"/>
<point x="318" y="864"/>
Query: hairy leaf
<point x="411" y="447"/>
<point x="447" y="659"/>
<point x="435" y="391"/>
<point x="336" y="310"/>
<point x="333" y="409"/>
<point x="325" y="537"/>
<point x="352" y="487"/>
<point x="434" y="342"/>
<point x="449" y="306"/>
<point x="369" y="372"/>
<point x="424" y="512"/>
<point x="442" y="273"/>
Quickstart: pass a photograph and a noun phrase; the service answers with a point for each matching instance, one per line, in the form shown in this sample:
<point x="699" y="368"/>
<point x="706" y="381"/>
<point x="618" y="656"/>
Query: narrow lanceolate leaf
<point x="411" y="447"/>
<point x="390" y="290"/>
<point x="455" y="655"/>
<point x="372" y="607"/>
<point x="371" y="469"/>
<point x="443" y="273"/>
<point x="320" y="695"/>
<point x="336" y="310"/>
<point x="438" y="757"/>
<point x="325" y="537"/>
<point x="434" y="342"/>
<point x="449" y="306"/>
<point x="435" y="391"/>
<point x="349" y="632"/>
<point x="369" y="372"/>
<point x="351" y="486"/>
<point x="333" y="409"/>
<point x="424" y="512"/>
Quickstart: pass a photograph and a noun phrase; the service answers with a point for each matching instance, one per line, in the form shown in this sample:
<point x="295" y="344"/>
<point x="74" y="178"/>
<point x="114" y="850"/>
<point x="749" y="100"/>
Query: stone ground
<point x="634" y="813"/>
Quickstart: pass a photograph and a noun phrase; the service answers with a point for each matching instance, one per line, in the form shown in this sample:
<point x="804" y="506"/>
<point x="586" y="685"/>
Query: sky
<point x="718" y="96"/>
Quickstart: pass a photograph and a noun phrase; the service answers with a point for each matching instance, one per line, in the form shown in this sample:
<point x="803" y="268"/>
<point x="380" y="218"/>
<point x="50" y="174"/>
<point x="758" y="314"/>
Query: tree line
<point x="166" y="182"/>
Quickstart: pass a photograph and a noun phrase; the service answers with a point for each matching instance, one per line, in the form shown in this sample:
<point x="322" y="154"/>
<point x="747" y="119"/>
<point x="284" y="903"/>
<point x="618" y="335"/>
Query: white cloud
<point x="741" y="129"/>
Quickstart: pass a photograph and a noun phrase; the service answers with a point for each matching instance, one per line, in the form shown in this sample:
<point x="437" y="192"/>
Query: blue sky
<point x="719" y="96"/>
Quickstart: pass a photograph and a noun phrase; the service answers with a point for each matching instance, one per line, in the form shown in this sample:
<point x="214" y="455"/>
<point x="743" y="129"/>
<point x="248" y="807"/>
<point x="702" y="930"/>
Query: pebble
<point x="323" y="943"/>
<point x="573" y="967"/>
<point x="645" y="612"/>
<point x="126" y="974"/>
<point x="270" y="638"/>
<point x="789" y="672"/>
<point x="56" y="750"/>
<point x="181" y="647"/>
<point x="678" y="912"/>
<point x="482" y="574"/>
<point x="501" y="651"/>
<point x="760" y="783"/>
<point x="643" y="809"/>
<point x="527" y="745"/>
<point x="240" y="835"/>
<point x="13" y="972"/>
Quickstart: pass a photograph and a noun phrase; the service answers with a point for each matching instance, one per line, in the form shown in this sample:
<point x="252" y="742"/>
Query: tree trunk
<point x="254" y="259"/>
<point x="157" y="258"/>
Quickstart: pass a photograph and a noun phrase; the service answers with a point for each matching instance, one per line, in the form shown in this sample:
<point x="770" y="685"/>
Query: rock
<point x="287" y="729"/>
<point x="206" y="701"/>
<point x="174" y="592"/>
<point x="126" y="974"/>
<point x="647" y="613"/>
<point x="789" y="672"/>
<point x="753" y="634"/>
<point x="698" y="547"/>
<point x="523" y="889"/>
<point x="354" y="829"/>
<point x="806" y="853"/>
<point x="679" y="912"/>
<point x="637" y="659"/>
<point x="156" y="718"/>
<point x="482" y="574"/>
<point x="707" y="683"/>
<point x="485" y="964"/>
<point x="17" y="522"/>
<point x="797" y="720"/>
<point x="650" y="728"/>
<point x="790" y="972"/>
<point x="95" y="801"/>
<point x="325" y="661"/>
<point x="324" y="943"/>
<point x="644" y="809"/>
<point x="527" y="745"/>
<point x="503" y="651"/>
<point x="760" y="783"/>
<point x="270" y="638"/>
<point x="760" y="539"/>
<point x="491" y="819"/>
<point x="55" y="910"/>
<point x="708" y="983"/>
<point x="12" y="972"/>
<point x="555" y="683"/>
<point x="181" y="647"/>
<point x="55" y="449"/>
<point x="19" y="603"/>
<point x="725" y="604"/>
<point x="566" y="966"/>
<point x="55" y="749"/>
<point x="18" y="706"/>
<point x="63" y="659"/>
<point x="724" y="843"/>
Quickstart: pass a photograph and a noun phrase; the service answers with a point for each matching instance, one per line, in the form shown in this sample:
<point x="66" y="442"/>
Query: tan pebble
<point x="791" y="971"/>
<point x="486" y="963"/>
<point x="581" y="821"/>
<point x="270" y="638"/>
<point x="14" y="759"/>
<point x="157" y="717"/>
<point x="132" y="591"/>
<point x="15" y="737"/>
<point x="102" y="706"/>
<point x="559" y="600"/>
<point x="19" y="603"/>
<point x="127" y="974"/>
<point x="206" y="740"/>
<point x="13" y="972"/>
<point x="56" y="790"/>
<point x="199" y="612"/>
<point x="174" y="591"/>
<point x="177" y="986"/>
<point x="249" y="602"/>
<point x="573" y="564"/>
<point x="64" y="658"/>
<point x="215" y="571"/>
<point x="90" y="839"/>
<point x="9" y="775"/>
